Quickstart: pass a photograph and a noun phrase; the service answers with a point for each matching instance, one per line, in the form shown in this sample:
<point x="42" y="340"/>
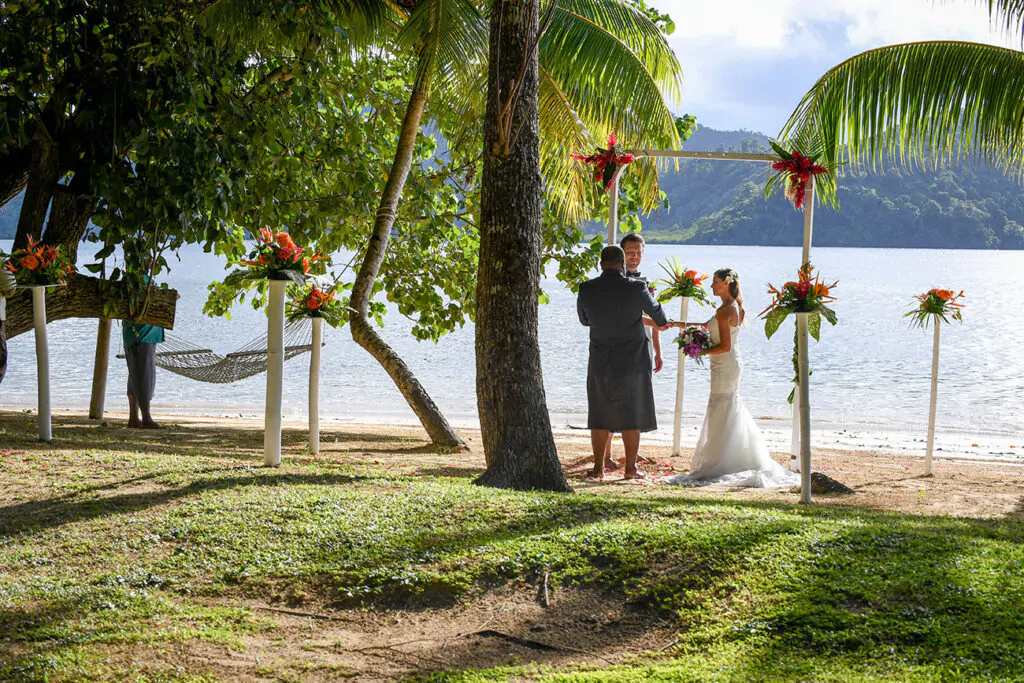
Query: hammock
<point x="203" y="365"/>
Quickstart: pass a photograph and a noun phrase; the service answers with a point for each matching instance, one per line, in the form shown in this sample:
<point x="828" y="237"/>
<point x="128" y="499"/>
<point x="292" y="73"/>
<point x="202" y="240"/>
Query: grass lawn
<point x="172" y="556"/>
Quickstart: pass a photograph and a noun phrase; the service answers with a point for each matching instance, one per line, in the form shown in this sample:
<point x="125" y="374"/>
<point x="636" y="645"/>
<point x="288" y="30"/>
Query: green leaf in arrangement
<point x="829" y="314"/>
<point x="814" y="325"/>
<point x="773" y="320"/>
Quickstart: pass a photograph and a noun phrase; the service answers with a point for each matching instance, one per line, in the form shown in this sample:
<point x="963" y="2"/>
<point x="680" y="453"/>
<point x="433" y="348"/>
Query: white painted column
<point x="275" y="374"/>
<point x="613" y="211"/>
<point x="684" y="310"/>
<point x="42" y="362"/>
<point x="805" y="257"/>
<point x="934" y="399"/>
<point x="314" y="387"/>
<point x="805" y="409"/>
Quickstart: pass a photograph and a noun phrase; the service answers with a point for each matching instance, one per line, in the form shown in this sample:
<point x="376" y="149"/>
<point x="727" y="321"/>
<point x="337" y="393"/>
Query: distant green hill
<point x="720" y="202"/>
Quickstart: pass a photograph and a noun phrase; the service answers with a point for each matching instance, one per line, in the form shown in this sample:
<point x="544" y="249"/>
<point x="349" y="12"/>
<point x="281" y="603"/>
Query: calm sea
<point x="871" y="372"/>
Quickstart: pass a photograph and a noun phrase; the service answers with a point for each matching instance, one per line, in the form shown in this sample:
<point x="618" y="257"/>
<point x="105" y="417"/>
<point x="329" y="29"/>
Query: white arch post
<point x="933" y="400"/>
<point x="275" y="374"/>
<point x="795" y="451"/>
<point x="314" y="386"/>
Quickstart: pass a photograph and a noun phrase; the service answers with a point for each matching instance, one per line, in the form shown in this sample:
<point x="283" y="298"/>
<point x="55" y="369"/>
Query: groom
<point x="620" y="395"/>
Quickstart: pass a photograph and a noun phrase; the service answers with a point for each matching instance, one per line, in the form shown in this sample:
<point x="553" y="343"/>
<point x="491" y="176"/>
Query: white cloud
<point x="754" y="58"/>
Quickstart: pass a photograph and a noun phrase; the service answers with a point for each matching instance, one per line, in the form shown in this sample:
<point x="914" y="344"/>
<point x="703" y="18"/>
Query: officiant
<point x="620" y="392"/>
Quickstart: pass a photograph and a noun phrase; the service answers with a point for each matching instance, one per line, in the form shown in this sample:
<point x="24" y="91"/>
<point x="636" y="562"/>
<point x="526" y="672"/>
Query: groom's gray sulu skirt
<point x="621" y="403"/>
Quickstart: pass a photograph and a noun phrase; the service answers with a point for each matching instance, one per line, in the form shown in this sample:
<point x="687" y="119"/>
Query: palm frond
<point x="605" y="68"/>
<point x="916" y="106"/>
<point x="450" y="37"/>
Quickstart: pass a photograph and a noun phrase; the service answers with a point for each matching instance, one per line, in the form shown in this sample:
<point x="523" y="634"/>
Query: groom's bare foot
<point x="149" y="424"/>
<point x="610" y="464"/>
<point x="635" y="474"/>
<point x="595" y="474"/>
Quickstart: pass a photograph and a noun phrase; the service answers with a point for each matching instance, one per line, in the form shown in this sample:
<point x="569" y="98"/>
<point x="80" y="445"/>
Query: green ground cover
<point x="110" y="544"/>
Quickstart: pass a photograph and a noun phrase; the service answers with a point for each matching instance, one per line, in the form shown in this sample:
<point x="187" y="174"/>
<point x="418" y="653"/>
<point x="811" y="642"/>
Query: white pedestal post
<point x="805" y="409"/>
<point x="275" y="374"/>
<point x="684" y="309"/>
<point x="934" y="398"/>
<point x="613" y="211"/>
<point x="805" y="257"/>
<point x="314" y="387"/>
<point x="42" y="362"/>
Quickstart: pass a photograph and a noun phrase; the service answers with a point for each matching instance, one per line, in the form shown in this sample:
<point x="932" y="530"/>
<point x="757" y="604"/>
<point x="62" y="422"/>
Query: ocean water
<point x="870" y="373"/>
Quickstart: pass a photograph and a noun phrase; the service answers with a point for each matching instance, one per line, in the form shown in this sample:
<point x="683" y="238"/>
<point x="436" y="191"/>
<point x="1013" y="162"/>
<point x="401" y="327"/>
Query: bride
<point x="730" y="450"/>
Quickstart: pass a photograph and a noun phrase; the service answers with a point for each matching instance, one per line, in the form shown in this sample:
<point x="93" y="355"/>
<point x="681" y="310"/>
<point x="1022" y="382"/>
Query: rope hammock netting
<point x="203" y="365"/>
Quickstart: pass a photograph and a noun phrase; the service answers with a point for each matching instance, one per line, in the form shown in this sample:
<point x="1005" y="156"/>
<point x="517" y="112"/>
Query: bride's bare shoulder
<point x="728" y="314"/>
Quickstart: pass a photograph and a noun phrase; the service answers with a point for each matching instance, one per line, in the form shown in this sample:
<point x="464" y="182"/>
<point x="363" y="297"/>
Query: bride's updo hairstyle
<point x="731" y="278"/>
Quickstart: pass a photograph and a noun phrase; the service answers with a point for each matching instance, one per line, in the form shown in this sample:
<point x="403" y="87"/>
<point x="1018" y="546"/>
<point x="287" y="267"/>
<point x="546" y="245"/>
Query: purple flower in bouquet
<point x="694" y="340"/>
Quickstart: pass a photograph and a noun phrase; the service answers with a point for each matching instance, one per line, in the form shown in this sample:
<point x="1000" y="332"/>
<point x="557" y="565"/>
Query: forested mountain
<point x="721" y="202"/>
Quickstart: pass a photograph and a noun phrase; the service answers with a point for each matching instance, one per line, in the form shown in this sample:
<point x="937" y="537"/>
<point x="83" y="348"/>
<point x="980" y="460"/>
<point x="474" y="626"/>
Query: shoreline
<point x="950" y="446"/>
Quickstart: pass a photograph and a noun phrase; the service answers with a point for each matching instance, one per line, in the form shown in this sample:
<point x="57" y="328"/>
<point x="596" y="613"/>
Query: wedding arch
<point x="800" y="449"/>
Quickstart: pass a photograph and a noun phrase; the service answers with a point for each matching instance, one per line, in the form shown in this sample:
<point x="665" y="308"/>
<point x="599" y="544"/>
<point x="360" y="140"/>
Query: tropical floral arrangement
<point x="936" y="303"/>
<point x="693" y="341"/>
<point x="312" y="301"/>
<point x="798" y="169"/>
<point x="606" y="161"/>
<point x="683" y="282"/>
<point x="39" y="264"/>
<point x="277" y="257"/>
<point x="807" y="295"/>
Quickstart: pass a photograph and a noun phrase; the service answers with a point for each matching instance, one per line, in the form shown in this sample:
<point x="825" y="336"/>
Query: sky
<point x="747" y="63"/>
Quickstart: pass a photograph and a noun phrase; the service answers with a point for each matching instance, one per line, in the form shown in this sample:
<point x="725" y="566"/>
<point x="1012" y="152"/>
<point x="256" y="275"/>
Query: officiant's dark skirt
<point x="621" y="403"/>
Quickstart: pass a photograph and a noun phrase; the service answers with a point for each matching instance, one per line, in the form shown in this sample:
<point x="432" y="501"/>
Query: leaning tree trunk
<point x="518" y="444"/>
<point x="42" y="180"/>
<point x="69" y="217"/>
<point x="437" y="427"/>
<point x="86" y="297"/>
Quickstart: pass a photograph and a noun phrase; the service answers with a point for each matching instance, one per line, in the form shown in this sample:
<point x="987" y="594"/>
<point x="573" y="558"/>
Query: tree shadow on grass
<point x="37" y="515"/>
<point x="211" y="441"/>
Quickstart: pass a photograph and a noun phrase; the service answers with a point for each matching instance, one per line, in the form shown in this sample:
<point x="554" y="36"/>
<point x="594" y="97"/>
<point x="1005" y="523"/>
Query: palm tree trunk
<point x="363" y="332"/>
<point x="516" y="428"/>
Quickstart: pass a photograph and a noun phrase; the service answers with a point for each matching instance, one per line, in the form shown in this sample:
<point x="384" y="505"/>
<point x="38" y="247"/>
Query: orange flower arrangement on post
<point x="277" y="257"/>
<point x="310" y="301"/>
<point x="39" y="264"/>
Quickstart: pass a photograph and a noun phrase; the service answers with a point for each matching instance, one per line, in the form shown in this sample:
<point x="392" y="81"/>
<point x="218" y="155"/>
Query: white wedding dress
<point x="731" y="450"/>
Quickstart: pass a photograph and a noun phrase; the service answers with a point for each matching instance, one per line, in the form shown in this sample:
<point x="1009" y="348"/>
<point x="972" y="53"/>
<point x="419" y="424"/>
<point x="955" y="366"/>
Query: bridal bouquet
<point x="683" y="282"/>
<point x="39" y="264"/>
<point x="312" y="301"/>
<point x="277" y="257"/>
<point x="807" y="295"/>
<point x="693" y="341"/>
<point x="936" y="303"/>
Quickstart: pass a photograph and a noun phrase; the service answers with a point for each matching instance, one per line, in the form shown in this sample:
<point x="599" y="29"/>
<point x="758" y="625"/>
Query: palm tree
<point x="920" y="105"/>
<point x="605" y="66"/>
<point x="548" y="64"/>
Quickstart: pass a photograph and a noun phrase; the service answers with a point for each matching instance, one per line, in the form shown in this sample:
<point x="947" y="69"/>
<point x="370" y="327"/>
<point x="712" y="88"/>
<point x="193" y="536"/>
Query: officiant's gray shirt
<point x="612" y="306"/>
